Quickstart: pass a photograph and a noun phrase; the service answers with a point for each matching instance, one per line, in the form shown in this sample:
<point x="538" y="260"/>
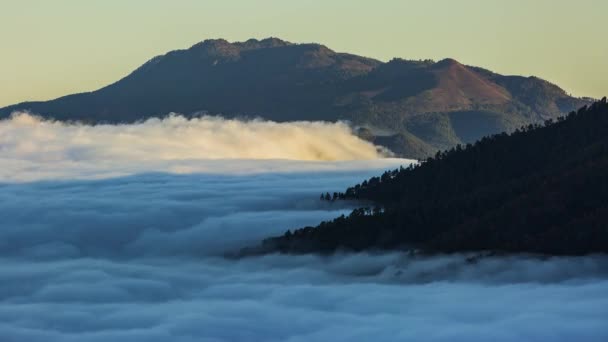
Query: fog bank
<point x="135" y="253"/>
<point x="33" y="149"/>
<point x="138" y="258"/>
<point x="280" y="298"/>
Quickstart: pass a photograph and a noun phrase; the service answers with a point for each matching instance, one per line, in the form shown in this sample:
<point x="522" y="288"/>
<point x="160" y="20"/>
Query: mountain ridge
<point x="542" y="189"/>
<point x="427" y="105"/>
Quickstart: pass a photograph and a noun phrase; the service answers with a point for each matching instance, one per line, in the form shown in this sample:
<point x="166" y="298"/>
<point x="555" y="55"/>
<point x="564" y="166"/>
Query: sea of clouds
<point x="33" y="149"/>
<point x="117" y="233"/>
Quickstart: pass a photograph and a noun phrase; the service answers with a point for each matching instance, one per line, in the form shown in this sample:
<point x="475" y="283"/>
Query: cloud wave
<point x="277" y="298"/>
<point x="32" y="148"/>
<point x="138" y="258"/>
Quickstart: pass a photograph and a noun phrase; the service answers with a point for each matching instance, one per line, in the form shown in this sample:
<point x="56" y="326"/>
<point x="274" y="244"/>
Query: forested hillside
<point x="540" y="190"/>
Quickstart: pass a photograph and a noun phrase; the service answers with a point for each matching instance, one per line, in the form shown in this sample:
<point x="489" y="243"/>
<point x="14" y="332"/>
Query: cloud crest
<point x="32" y="148"/>
<point x="138" y="258"/>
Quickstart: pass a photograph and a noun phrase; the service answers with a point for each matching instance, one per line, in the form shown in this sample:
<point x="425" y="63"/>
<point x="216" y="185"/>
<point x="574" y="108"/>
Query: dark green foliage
<point x="540" y="189"/>
<point x="469" y="126"/>
<point x="405" y="144"/>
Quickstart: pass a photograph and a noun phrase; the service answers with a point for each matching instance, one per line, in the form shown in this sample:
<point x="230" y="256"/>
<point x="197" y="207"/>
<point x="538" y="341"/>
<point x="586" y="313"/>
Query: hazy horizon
<point x="66" y="47"/>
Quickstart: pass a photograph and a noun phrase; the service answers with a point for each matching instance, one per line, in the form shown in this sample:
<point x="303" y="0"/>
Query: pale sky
<point x="54" y="48"/>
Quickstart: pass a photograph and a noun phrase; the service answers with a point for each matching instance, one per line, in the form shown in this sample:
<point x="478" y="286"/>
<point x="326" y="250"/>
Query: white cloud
<point x="33" y="149"/>
<point x="162" y="214"/>
<point x="306" y="298"/>
<point x="137" y="259"/>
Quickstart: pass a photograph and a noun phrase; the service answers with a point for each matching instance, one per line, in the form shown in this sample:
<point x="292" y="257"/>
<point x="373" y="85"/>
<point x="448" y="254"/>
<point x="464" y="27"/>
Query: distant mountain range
<point x="543" y="189"/>
<point x="412" y="107"/>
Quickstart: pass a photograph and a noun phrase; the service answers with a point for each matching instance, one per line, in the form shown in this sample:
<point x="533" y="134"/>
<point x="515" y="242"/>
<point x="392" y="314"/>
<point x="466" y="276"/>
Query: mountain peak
<point x="461" y="86"/>
<point x="216" y="47"/>
<point x="212" y="43"/>
<point x="269" y="42"/>
<point x="223" y="48"/>
<point x="447" y="62"/>
<point x="250" y="44"/>
<point x="282" y="81"/>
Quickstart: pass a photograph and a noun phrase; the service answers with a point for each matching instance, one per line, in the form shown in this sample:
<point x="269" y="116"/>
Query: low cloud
<point x="162" y="214"/>
<point x="33" y="149"/>
<point x="298" y="298"/>
<point x="139" y="257"/>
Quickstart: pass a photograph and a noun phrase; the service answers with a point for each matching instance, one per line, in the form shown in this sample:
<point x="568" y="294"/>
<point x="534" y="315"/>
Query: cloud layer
<point x="161" y="214"/>
<point x="140" y="257"/>
<point x="305" y="298"/>
<point x="31" y="148"/>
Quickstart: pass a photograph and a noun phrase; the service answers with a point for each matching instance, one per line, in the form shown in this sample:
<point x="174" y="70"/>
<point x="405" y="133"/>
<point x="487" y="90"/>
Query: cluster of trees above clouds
<point x="541" y="189"/>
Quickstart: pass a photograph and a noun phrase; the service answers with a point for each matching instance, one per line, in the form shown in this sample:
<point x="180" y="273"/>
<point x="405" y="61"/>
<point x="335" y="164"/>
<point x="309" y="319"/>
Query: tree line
<point x="541" y="189"/>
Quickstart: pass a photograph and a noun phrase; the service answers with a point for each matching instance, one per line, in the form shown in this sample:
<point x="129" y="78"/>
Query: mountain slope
<point x="438" y="104"/>
<point x="539" y="190"/>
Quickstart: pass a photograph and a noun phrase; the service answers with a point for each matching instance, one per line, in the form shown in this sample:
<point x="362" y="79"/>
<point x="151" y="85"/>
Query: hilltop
<point x="413" y="107"/>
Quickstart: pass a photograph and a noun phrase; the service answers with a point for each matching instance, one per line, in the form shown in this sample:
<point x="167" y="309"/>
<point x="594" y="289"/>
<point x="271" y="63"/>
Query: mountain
<point x="413" y="107"/>
<point x="538" y="190"/>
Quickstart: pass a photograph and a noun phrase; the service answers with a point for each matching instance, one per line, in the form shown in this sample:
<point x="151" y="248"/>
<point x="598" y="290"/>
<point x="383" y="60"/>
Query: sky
<point x="54" y="48"/>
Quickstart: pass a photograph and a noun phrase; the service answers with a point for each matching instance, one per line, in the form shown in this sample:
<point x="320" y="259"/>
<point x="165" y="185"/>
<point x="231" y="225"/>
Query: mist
<point x="32" y="148"/>
<point x="307" y="298"/>
<point x="139" y="258"/>
<point x="117" y="233"/>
